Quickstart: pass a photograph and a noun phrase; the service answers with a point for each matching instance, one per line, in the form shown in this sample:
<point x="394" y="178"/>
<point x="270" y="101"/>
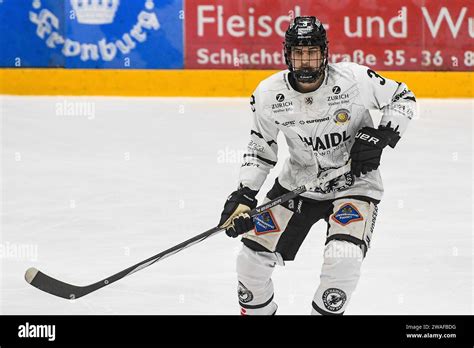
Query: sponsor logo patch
<point x="280" y="97"/>
<point x="317" y="120"/>
<point x="346" y="214"/>
<point x="338" y="97"/>
<point x="329" y="141"/>
<point x="250" y="164"/>
<point x="399" y="95"/>
<point x="252" y="145"/>
<point x="289" y="123"/>
<point x="334" y="299"/>
<point x="282" y="106"/>
<point x="265" y="223"/>
<point x="405" y="110"/>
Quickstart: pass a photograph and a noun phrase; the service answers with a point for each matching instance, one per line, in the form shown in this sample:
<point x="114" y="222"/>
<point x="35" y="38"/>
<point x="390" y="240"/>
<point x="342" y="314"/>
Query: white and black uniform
<point x="320" y="128"/>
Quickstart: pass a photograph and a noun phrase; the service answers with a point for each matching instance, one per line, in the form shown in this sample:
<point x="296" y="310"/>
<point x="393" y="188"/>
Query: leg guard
<point x="352" y="220"/>
<point x="282" y="229"/>
<point x="255" y="287"/>
<point x="339" y="276"/>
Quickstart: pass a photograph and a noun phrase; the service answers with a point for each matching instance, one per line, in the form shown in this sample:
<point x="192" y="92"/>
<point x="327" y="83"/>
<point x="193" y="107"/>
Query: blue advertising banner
<point x="119" y="34"/>
<point x="20" y="42"/>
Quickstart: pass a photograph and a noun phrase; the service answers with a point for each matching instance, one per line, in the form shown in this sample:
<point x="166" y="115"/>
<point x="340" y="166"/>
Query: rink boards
<point x="197" y="83"/>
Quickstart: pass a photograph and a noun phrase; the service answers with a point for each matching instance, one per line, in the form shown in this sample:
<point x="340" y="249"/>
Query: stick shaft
<point x="56" y="287"/>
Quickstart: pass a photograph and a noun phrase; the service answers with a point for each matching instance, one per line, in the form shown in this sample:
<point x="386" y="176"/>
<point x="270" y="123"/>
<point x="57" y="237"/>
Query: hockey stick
<point x="56" y="287"/>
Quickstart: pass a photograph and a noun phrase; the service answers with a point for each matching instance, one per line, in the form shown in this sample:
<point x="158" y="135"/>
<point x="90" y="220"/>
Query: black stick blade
<point x="53" y="286"/>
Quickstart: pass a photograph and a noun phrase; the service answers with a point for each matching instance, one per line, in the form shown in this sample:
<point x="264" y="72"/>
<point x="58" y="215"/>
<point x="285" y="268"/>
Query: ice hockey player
<point x="322" y="110"/>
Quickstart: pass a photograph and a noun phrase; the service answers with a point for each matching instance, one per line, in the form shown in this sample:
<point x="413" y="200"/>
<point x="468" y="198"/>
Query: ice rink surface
<point x="91" y="186"/>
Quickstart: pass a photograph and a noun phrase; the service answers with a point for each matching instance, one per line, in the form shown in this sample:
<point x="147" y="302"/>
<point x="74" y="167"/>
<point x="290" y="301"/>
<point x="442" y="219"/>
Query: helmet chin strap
<point x="307" y="76"/>
<point x="306" y="85"/>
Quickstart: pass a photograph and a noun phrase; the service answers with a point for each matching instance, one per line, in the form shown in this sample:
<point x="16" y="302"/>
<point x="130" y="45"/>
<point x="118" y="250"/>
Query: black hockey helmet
<point x="306" y="31"/>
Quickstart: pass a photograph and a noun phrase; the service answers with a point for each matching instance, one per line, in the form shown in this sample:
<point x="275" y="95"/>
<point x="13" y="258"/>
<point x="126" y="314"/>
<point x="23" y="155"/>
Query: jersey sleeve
<point x="394" y="99"/>
<point x="262" y="150"/>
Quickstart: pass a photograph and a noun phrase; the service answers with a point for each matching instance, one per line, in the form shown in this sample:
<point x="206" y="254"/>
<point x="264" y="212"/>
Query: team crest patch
<point x="245" y="295"/>
<point x="341" y="116"/>
<point x="334" y="299"/>
<point x="265" y="223"/>
<point x="347" y="214"/>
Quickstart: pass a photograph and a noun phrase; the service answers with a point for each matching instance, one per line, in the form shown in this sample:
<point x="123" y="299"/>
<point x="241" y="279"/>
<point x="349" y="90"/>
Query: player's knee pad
<point x="352" y="220"/>
<point x="255" y="286"/>
<point x="339" y="277"/>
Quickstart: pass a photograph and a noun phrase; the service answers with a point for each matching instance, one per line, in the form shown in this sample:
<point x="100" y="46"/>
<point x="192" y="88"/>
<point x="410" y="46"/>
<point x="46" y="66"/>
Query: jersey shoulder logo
<point x="265" y="223"/>
<point x="347" y="214"/>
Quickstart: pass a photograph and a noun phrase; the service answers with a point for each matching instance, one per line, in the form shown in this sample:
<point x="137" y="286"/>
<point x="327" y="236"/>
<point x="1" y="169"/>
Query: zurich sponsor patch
<point x="346" y="214"/>
<point x="265" y="223"/>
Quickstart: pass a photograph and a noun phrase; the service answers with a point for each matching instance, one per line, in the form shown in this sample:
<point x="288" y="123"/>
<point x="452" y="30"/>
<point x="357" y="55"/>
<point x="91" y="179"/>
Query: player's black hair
<point x="306" y="31"/>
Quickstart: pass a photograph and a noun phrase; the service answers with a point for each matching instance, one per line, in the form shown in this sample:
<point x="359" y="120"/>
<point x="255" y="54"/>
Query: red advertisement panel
<point x="385" y="35"/>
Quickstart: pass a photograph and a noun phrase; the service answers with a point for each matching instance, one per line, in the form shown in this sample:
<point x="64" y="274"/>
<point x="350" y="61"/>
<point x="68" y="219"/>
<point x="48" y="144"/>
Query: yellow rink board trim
<point x="197" y="83"/>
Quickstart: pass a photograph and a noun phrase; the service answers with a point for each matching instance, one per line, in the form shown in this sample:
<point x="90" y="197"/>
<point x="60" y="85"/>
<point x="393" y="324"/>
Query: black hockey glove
<point x="235" y="218"/>
<point x="367" y="148"/>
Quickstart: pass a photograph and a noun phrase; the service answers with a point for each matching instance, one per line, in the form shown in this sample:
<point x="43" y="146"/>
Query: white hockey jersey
<point x="320" y="126"/>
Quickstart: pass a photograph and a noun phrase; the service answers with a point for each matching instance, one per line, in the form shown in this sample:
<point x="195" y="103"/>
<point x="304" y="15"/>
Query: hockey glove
<point x="367" y="148"/>
<point x="235" y="218"/>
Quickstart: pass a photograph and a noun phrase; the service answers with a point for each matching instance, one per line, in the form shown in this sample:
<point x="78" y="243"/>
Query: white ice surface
<point x="94" y="194"/>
